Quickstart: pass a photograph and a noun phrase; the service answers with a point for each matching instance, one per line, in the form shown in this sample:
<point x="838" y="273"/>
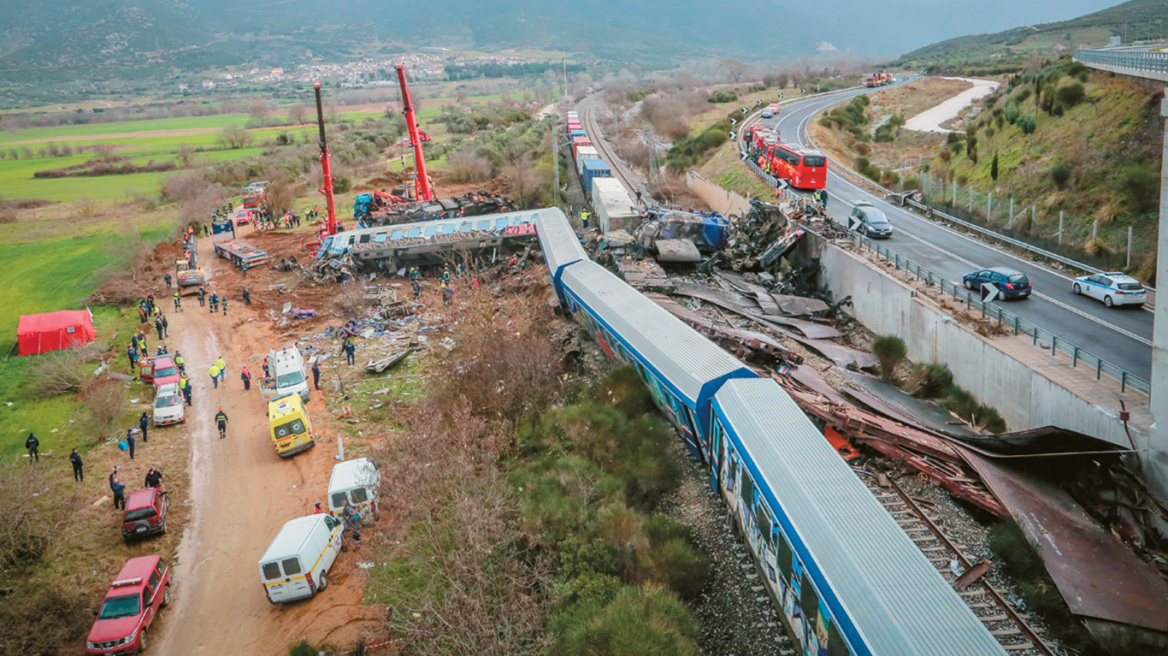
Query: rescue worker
<point x="166" y="278"/>
<point x="214" y="371"/>
<point x="185" y="385"/>
<point x="245" y="376"/>
<point x="158" y="328"/>
<point x="180" y="363"/>
<point x="224" y="301"/>
<point x="243" y="267"/>
<point x="78" y="467"/>
<point x="33" y="445"/>
<point x="202" y="297"/>
<point x="584" y="219"/>
<point x="221" y="422"/>
<point x="130" y="441"/>
<point x="246" y="297"/>
<point x="132" y="354"/>
<point x="222" y="369"/>
<point x="417" y="289"/>
<point x="119" y="491"/>
<point x="214" y="305"/>
<point x="177" y="303"/>
<point x="153" y="478"/>
<point x="350" y="352"/>
<point x="318" y="510"/>
<point x="316" y="375"/>
<point x="144" y="426"/>
<point x="165" y="325"/>
<point x="267" y="371"/>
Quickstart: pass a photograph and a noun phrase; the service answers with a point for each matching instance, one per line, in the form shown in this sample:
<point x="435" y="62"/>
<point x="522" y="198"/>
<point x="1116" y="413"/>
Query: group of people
<point x="118" y="488"/>
<point x="445" y="281"/>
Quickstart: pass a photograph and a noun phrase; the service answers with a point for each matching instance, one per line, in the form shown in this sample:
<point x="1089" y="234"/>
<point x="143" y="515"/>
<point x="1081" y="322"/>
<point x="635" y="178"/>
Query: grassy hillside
<point x="1135" y="19"/>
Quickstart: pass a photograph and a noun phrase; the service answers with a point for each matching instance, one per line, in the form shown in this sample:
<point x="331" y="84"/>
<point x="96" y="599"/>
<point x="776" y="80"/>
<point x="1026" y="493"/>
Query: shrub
<point x="342" y="184"/>
<point x="1012" y="113"/>
<point x="639" y="620"/>
<point x="465" y="166"/>
<point x="862" y="164"/>
<point x="945" y="156"/>
<point x="720" y="97"/>
<point x="105" y="401"/>
<point x="863" y="149"/>
<point x="1061" y="175"/>
<point x="1141" y="188"/>
<point x="891" y="351"/>
<point x="994" y="168"/>
<point x="1028" y="124"/>
<point x="931" y="380"/>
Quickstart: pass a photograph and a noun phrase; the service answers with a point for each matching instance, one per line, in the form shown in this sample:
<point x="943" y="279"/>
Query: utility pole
<point x="556" y="159"/>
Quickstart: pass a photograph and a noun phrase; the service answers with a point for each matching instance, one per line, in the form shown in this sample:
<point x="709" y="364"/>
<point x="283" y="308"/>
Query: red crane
<point x="330" y="227"/>
<point x="423" y="181"/>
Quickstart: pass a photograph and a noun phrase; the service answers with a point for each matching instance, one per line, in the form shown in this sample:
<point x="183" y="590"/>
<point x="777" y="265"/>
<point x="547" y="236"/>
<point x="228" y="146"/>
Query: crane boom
<point x="423" y="181"/>
<point x="327" y="187"/>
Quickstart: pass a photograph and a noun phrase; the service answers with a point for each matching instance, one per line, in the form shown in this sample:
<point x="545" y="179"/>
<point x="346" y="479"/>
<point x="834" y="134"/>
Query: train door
<point x="717" y="454"/>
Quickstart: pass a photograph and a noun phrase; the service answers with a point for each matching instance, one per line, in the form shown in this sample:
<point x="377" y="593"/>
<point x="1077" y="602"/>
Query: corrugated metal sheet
<point x="897" y="601"/>
<point x="560" y="244"/>
<point x="685" y="358"/>
<point x="614" y="207"/>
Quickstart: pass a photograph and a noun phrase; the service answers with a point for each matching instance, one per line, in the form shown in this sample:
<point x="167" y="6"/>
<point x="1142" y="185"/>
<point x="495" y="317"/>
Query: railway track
<point x="587" y="109"/>
<point x="1005" y="623"/>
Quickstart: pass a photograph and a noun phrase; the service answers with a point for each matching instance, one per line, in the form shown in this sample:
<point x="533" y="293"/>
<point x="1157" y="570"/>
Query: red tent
<point x="40" y="333"/>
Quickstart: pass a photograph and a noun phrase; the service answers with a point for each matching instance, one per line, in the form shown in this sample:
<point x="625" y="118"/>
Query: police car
<point x="1113" y="289"/>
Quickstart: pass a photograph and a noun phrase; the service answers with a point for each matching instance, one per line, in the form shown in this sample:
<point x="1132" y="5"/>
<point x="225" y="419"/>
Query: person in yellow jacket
<point x="215" y="371"/>
<point x="222" y="369"/>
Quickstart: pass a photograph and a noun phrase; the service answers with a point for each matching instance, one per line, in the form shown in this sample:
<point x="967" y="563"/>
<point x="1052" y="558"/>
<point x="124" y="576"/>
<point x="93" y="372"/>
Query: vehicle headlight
<point x="91" y="645"/>
<point x="128" y="639"/>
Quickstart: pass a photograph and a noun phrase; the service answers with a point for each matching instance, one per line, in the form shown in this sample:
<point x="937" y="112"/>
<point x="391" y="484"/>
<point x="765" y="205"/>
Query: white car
<point x="168" y="405"/>
<point x="1112" y="288"/>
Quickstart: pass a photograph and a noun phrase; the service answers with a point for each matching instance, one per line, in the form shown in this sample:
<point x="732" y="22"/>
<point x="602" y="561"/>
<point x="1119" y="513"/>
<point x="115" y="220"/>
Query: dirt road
<point x="242" y="493"/>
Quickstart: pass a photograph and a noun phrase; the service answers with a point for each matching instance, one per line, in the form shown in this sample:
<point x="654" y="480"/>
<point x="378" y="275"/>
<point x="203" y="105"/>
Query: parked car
<point x="130" y="606"/>
<point x="296" y="564"/>
<point x="872" y="222"/>
<point x="145" y="514"/>
<point x="160" y="370"/>
<point x="1010" y="283"/>
<point x="168" y="405"/>
<point x="1115" y="288"/>
<point x="768" y="112"/>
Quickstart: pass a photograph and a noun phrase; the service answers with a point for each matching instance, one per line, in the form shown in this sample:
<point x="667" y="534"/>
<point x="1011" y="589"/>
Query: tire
<point x="1077" y="290"/>
<point x="1107" y="301"/>
<point x="142" y="642"/>
<point x="323" y="581"/>
<point x="166" y="596"/>
<point x="967" y="284"/>
<point x="162" y="531"/>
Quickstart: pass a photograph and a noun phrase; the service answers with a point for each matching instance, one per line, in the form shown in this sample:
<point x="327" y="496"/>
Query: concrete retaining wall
<point x="1023" y="395"/>
<point x="719" y="199"/>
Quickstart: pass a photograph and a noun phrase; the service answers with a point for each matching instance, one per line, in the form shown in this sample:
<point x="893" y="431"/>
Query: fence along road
<point x="1122" y="336"/>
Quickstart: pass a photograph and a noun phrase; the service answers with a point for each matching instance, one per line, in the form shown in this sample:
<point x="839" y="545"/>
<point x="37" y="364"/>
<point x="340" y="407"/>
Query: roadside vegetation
<point x="527" y="505"/>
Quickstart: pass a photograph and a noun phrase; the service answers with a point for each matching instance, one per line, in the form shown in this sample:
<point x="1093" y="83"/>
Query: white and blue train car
<point x="848" y="579"/>
<point x="682" y="369"/>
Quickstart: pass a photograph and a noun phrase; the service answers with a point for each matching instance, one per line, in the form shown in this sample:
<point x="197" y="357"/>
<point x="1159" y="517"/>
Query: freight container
<point x="585" y="153"/>
<point x="573" y="116"/>
<point x="574" y="125"/>
<point x="593" y="169"/>
<point x="615" y="209"/>
<point x="578" y="133"/>
<point x="579" y="141"/>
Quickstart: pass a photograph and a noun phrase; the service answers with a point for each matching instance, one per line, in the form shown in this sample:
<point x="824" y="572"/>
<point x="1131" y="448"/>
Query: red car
<point x="145" y="514"/>
<point x="243" y="217"/>
<point x="160" y="369"/>
<point x="133" y="600"/>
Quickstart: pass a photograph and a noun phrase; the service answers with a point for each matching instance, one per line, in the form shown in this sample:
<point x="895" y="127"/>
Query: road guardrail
<point x="1135" y="60"/>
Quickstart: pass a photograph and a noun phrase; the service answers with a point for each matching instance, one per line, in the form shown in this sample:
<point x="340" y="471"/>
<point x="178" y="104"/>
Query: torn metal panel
<point x="843" y="356"/>
<point x="743" y="342"/>
<point x="808" y="377"/>
<point x="972" y="575"/>
<point x="644" y="275"/>
<point x="890" y="401"/>
<point x="1045" y="442"/>
<point x="677" y="250"/>
<point x="798" y="305"/>
<point x="808" y="328"/>
<point x="780" y="248"/>
<point x="726" y="300"/>
<point x="1097" y="575"/>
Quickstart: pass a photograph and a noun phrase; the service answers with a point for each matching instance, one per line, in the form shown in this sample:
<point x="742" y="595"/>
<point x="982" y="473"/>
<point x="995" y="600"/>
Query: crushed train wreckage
<point x="379" y="208"/>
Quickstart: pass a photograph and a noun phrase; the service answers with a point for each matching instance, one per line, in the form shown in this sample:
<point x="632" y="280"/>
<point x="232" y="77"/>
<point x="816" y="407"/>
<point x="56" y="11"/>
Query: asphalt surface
<point x="1122" y="336"/>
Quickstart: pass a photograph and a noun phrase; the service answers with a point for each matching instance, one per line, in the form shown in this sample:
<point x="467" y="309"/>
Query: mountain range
<point x="50" y="41"/>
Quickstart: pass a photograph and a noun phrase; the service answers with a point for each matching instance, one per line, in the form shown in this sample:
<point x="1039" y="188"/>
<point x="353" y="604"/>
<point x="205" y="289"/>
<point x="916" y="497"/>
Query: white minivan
<point x="356" y="481"/>
<point x="288" y="375"/>
<point x="296" y="564"/>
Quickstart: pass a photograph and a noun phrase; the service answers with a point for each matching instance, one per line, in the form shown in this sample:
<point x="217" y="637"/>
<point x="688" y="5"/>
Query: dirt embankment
<point x="242" y="492"/>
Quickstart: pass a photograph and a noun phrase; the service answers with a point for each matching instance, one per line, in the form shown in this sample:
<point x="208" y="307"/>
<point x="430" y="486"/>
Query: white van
<point x="356" y="481"/>
<point x="288" y="375"/>
<point x="296" y="564"/>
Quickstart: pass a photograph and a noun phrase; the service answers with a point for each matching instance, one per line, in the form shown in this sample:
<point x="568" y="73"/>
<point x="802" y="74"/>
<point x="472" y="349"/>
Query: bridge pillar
<point x="1157" y="461"/>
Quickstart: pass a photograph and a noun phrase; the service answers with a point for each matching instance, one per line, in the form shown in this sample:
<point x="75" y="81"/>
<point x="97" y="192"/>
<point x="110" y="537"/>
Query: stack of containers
<point x="615" y="209"/>
<point x="579" y="141"/>
<point x="584" y="153"/>
<point x="592" y="170"/>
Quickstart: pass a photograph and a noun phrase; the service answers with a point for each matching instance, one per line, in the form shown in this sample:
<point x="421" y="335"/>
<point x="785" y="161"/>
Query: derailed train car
<point x="847" y="579"/>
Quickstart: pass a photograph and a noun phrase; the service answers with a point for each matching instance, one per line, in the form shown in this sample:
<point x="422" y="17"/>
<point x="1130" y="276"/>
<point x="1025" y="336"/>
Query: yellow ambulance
<point x="290" y="427"/>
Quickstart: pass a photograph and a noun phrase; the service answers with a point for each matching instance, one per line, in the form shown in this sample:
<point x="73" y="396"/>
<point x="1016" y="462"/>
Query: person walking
<point x="180" y="363"/>
<point x="166" y="278"/>
<point x="78" y="467"/>
<point x="130" y="442"/>
<point x="132" y="354"/>
<point x="144" y="425"/>
<point x="350" y="352"/>
<point x="214" y="371"/>
<point x="417" y="289"/>
<point x="202" y="297"/>
<point x="119" y="493"/>
<point x="185" y="386"/>
<point x="224" y="301"/>
<point x="222" y="369"/>
<point x="245" y="376"/>
<point x="214" y="305"/>
<point x="316" y="375"/>
<point x="221" y="422"/>
<point x="177" y="302"/>
<point x="447" y="294"/>
<point x="165" y="326"/>
<point x="33" y="445"/>
<point x="246" y="297"/>
<point x="158" y="328"/>
<point x="243" y="267"/>
<point x="153" y="478"/>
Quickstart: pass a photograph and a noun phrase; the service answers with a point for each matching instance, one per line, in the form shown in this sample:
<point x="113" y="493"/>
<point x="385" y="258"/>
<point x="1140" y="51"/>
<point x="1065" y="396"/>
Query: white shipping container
<point x="615" y="209"/>
<point x="583" y="153"/>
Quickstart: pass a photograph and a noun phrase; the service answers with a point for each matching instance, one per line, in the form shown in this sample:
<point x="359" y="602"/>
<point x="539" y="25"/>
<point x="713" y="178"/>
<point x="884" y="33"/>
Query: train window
<point x="808" y="600"/>
<point x="431" y="231"/>
<point x="835" y="641"/>
<point x="786" y="558"/>
<point x="397" y="234"/>
<point x="381" y="237"/>
<point x="500" y="224"/>
<point x="747" y="490"/>
<point x="415" y="233"/>
<point x="448" y="229"/>
<point x="764" y="524"/>
<point x="484" y="225"/>
<point x="465" y="227"/>
<point x="364" y="239"/>
<point x="733" y="473"/>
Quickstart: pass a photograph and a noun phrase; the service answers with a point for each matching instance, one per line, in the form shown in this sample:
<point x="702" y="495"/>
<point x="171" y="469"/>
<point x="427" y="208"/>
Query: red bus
<point x="802" y="168"/>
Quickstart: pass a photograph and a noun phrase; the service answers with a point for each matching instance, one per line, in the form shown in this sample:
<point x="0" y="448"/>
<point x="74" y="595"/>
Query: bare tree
<point x="279" y="195"/>
<point x="234" y="137"/>
<point x="61" y="372"/>
<point x="297" y="113"/>
<point x="186" y="156"/>
<point x="105" y="402"/>
<point x="260" y="113"/>
<point x="734" y="69"/>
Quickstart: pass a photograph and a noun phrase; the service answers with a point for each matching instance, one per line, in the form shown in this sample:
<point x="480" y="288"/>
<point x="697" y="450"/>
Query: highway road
<point x="1122" y="336"/>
